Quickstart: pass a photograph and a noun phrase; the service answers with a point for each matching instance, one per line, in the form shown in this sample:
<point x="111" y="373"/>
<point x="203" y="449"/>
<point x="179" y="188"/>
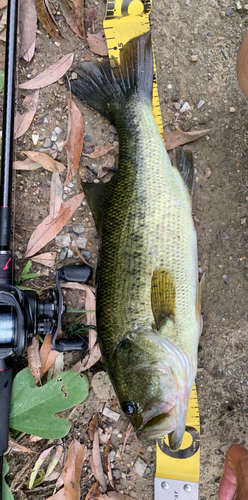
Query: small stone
<point x="148" y="470"/>
<point x="70" y="253"/>
<point x="209" y="33"/>
<point x="232" y="110"/>
<point x="47" y="144"/>
<point x="86" y="255"/>
<point x="218" y="452"/>
<point x="63" y="240"/>
<point x="63" y="254"/>
<point x="208" y="172"/>
<point x="100" y="142"/>
<point x="87" y="138"/>
<point x="112" y="129"/>
<point x="78" y="229"/>
<point x="70" y="185"/>
<point x="169" y="86"/>
<point x="175" y="98"/>
<point x="74" y="76"/>
<point x="54" y="136"/>
<point x="200" y="104"/>
<point x="111" y="456"/>
<point x="243" y="221"/>
<point x="57" y="44"/>
<point x="140" y="467"/>
<point x="81" y="242"/>
<point x="220" y="368"/>
<point x="228" y="11"/>
<point x="45" y="120"/>
<point x="176" y="105"/>
<point x="116" y="473"/>
<point x="194" y="58"/>
<point x="239" y="5"/>
<point x="225" y="237"/>
<point x="58" y="130"/>
<point x="185" y="107"/>
<point x="35" y="138"/>
<point x="149" y="449"/>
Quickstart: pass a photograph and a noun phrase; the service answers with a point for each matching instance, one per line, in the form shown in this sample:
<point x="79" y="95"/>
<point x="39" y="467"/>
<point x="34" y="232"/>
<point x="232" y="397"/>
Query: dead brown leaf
<point x="77" y="453"/>
<point x="74" y="140"/>
<point x="95" y="461"/>
<point x="93" y="493"/>
<point x="56" y="192"/>
<point x="30" y="52"/>
<point x="104" y="435"/>
<point x="90" y="305"/>
<point x="27" y="25"/>
<point x="46" y="259"/>
<point x="88" y="361"/>
<point x="49" y="227"/>
<point x="26" y="165"/>
<point x="52" y="74"/>
<point x="127" y="434"/>
<point x="34" y="362"/>
<point x="14" y="446"/>
<point x="47" y="355"/>
<point x="79" y="14"/>
<point x="178" y="137"/>
<point x="76" y="251"/>
<point x="3" y="20"/>
<point x="60" y="495"/>
<point x="90" y="18"/>
<point x="72" y="284"/>
<point x="70" y="16"/>
<point x="23" y="121"/>
<point x="99" y="151"/>
<point x="45" y="161"/>
<point x="107" y="464"/>
<point x="113" y="495"/>
<point x="97" y="43"/>
<point x="92" y="426"/>
<point x="46" y="18"/>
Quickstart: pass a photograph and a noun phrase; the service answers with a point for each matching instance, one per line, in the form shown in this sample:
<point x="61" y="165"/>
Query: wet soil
<point x="196" y="44"/>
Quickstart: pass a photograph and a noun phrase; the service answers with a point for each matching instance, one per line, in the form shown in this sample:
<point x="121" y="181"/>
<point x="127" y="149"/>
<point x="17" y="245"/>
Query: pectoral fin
<point x="163" y="296"/>
<point x="183" y="161"/>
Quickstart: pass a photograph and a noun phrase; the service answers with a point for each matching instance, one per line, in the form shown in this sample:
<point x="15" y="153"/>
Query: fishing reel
<point x="24" y="315"/>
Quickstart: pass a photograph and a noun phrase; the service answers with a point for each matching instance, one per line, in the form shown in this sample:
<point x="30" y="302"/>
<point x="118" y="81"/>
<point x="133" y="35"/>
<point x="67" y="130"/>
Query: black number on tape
<point x="182" y="453"/>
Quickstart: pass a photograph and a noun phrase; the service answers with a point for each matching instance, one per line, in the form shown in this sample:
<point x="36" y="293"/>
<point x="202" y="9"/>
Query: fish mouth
<point x="157" y="422"/>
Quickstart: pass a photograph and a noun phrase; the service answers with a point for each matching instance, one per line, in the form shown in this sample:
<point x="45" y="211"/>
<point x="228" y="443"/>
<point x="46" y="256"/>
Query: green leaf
<point x="6" y="493"/>
<point x="25" y="272"/>
<point x="32" y="407"/>
<point x="1" y="80"/>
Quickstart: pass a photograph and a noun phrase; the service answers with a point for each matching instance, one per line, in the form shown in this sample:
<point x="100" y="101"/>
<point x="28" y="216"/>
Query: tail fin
<point x="105" y="85"/>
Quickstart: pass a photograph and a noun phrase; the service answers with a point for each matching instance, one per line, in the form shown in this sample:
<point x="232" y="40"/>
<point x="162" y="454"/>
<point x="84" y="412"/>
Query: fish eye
<point x="129" y="407"/>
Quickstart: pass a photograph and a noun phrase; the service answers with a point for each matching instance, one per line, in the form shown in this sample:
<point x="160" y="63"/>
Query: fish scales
<point x="147" y="223"/>
<point x="148" y="315"/>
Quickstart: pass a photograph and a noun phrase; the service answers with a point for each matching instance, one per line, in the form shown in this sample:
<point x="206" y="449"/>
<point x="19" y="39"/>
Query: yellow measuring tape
<point x="177" y="472"/>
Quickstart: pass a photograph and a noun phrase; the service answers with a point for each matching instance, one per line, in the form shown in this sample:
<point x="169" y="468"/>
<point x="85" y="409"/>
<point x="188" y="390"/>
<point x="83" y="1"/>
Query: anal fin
<point x="183" y="161"/>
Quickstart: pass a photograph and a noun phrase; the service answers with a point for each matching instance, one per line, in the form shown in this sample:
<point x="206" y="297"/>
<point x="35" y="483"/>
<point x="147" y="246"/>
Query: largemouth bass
<point x="148" y="298"/>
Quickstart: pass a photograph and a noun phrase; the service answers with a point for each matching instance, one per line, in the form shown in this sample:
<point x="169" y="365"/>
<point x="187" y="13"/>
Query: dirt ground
<point x="196" y="44"/>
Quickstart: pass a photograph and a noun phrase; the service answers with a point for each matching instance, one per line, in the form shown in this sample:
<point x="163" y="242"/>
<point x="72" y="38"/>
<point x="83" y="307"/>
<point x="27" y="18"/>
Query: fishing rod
<point x="22" y="314"/>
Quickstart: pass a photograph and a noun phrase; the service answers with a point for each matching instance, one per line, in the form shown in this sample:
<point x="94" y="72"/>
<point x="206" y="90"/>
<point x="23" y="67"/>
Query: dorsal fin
<point x="163" y="296"/>
<point x="183" y="161"/>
